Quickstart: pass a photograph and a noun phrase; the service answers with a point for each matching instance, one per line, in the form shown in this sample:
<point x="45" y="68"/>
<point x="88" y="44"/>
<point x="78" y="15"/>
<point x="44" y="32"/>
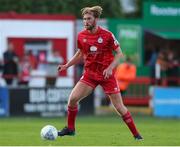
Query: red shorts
<point x="109" y="85"/>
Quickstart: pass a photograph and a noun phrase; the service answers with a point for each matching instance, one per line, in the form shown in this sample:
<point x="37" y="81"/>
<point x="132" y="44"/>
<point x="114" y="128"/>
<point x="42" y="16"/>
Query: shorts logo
<point x="81" y="77"/>
<point x="100" y="40"/>
<point x="93" y="48"/>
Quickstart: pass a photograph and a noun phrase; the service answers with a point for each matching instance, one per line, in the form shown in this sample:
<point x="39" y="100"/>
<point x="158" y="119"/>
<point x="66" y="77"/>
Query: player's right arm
<point x="74" y="60"/>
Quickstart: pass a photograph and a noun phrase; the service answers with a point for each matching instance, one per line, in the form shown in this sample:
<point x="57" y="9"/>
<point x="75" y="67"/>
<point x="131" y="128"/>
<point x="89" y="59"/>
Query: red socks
<point x="130" y="123"/>
<point x="72" y="113"/>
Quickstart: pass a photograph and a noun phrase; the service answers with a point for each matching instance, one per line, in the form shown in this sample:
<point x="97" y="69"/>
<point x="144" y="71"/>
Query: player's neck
<point x="94" y="30"/>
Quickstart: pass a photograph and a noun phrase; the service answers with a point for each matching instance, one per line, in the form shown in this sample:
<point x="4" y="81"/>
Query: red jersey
<point x="97" y="50"/>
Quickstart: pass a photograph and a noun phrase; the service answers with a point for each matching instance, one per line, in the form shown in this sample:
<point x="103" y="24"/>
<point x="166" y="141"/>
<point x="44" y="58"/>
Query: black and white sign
<point x="39" y="101"/>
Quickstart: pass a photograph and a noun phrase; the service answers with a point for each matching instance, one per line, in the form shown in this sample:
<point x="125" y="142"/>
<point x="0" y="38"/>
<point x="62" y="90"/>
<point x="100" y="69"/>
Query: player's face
<point x="89" y="21"/>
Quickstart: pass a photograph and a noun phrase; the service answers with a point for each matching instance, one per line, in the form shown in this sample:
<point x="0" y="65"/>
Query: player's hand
<point x="107" y="72"/>
<point x="62" y="67"/>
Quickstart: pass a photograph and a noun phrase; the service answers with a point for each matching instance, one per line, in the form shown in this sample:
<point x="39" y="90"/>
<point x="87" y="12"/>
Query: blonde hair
<point x="96" y="10"/>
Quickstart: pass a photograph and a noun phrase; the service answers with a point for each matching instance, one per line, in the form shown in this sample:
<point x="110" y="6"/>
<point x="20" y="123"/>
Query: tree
<point x="112" y="9"/>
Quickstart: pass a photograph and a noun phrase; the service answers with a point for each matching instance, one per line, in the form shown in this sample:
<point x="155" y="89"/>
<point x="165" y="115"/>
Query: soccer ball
<point x="49" y="132"/>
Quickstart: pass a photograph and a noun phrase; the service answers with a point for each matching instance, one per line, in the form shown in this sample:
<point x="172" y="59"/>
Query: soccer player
<point x="96" y="46"/>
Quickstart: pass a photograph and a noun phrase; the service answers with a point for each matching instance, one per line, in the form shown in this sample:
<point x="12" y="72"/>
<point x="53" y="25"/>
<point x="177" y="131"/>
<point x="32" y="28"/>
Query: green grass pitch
<point x="90" y="131"/>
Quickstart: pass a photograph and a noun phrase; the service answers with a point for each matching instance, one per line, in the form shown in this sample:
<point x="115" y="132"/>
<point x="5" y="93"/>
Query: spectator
<point x="10" y="70"/>
<point x="152" y="62"/>
<point x="25" y="69"/>
<point x="42" y="64"/>
<point x="162" y="60"/>
<point x="1" y="66"/>
<point x="125" y="73"/>
<point x="172" y="67"/>
<point x="32" y="59"/>
<point x="161" y="68"/>
<point x="55" y="57"/>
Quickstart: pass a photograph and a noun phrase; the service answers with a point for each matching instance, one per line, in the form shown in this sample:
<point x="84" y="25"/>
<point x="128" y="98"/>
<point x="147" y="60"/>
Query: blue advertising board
<point x="4" y="101"/>
<point x="166" y="102"/>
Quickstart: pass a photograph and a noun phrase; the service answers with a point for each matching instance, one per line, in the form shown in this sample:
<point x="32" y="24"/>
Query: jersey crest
<point x="100" y="40"/>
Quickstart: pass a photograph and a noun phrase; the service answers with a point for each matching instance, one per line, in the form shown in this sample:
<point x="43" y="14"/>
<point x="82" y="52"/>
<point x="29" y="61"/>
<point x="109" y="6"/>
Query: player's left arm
<point x="109" y="70"/>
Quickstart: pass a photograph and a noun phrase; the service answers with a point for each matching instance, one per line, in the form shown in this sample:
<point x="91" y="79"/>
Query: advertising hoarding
<point x="166" y="102"/>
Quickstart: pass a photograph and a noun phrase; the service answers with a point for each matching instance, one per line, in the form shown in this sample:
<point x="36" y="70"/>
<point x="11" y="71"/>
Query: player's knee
<point x="121" y="109"/>
<point x="118" y="108"/>
<point x="73" y="101"/>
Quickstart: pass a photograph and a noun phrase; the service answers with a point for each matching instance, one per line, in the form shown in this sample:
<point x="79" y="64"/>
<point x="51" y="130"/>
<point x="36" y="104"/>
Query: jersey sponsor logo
<point x="100" y="40"/>
<point x="93" y="48"/>
<point x="84" y="40"/>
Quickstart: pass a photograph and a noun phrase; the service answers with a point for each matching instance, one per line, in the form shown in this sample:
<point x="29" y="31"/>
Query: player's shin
<point x="130" y="123"/>
<point x="72" y="113"/>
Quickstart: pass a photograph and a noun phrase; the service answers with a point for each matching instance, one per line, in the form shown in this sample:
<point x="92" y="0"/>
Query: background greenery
<point x="112" y="8"/>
